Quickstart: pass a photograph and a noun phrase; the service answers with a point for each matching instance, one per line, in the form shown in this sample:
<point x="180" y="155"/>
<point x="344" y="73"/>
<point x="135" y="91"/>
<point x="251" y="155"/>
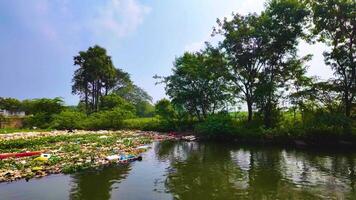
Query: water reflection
<point x="205" y="170"/>
<point x="97" y="184"/>
<point x="220" y="171"/>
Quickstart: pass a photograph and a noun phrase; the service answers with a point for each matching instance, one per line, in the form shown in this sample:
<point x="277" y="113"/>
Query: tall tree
<point x="198" y="82"/>
<point x="95" y="76"/>
<point x="282" y="26"/>
<point x="334" y="23"/>
<point x="243" y="46"/>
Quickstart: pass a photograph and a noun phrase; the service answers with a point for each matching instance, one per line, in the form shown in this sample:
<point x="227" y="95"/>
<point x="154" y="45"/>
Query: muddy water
<point x="205" y="170"/>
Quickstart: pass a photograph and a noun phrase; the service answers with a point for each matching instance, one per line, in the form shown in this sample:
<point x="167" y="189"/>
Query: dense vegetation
<point x="256" y="65"/>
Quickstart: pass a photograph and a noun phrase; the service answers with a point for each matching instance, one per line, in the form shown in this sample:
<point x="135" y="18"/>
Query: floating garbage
<point x="143" y="147"/>
<point x="61" y="155"/>
<point x="129" y="158"/>
<point x="112" y="157"/>
<point x="46" y="155"/>
<point x="43" y="157"/>
<point x="36" y="168"/>
<point x="124" y="158"/>
<point x="18" y="155"/>
<point x="189" y="138"/>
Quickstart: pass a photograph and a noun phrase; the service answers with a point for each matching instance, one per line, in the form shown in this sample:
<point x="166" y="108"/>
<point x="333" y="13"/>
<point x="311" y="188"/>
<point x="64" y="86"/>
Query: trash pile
<point x="39" y="154"/>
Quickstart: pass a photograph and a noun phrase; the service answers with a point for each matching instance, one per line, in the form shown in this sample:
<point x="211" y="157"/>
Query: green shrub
<point x="216" y="125"/>
<point x="147" y="124"/>
<point x="69" y="120"/>
<point x="39" y="120"/>
<point x="108" y="119"/>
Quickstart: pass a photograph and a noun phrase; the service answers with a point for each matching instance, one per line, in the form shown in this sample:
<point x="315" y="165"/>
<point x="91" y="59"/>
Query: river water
<point x="205" y="170"/>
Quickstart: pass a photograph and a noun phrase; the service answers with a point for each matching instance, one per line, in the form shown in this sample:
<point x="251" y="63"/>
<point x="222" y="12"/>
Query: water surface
<point x="205" y="170"/>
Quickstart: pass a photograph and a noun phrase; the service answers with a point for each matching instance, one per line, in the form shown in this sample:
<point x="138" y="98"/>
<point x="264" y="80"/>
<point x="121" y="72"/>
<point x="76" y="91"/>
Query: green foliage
<point x="133" y="94"/>
<point x="69" y="120"/>
<point x="114" y="101"/>
<point x="39" y="120"/>
<point x="198" y="84"/>
<point x="100" y="85"/>
<point x="144" y="109"/>
<point x="108" y="119"/>
<point x="334" y="25"/>
<point x="10" y="104"/>
<point x="256" y="62"/>
<point x="165" y="109"/>
<point x="44" y="105"/>
<point x="148" y="124"/>
<point x="219" y="124"/>
<point x="94" y="78"/>
<point x="41" y="111"/>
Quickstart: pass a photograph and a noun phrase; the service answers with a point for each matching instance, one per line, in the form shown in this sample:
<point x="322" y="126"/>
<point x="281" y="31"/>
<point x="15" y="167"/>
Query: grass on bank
<point x="288" y="126"/>
<point x="16" y="130"/>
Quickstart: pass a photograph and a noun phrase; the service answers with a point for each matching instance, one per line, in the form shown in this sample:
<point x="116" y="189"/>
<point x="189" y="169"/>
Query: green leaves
<point x="95" y="77"/>
<point x="334" y="24"/>
<point x="198" y="83"/>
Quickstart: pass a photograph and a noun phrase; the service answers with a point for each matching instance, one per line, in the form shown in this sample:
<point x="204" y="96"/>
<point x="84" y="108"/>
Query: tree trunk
<point x="268" y="115"/>
<point x="86" y="100"/>
<point x="249" y="108"/>
<point x="348" y="108"/>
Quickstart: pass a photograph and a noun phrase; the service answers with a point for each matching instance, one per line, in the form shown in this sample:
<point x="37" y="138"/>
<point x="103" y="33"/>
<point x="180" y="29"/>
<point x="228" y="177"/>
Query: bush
<point x="144" y="109"/>
<point x="69" y="120"/>
<point x="216" y="125"/>
<point x="147" y="124"/>
<point x="108" y="119"/>
<point x="39" y="120"/>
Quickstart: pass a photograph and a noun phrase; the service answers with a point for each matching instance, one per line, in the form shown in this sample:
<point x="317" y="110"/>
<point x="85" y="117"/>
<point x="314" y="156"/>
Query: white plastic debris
<point x="112" y="157"/>
<point x="189" y="138"/>
<point x="143" y="147"/>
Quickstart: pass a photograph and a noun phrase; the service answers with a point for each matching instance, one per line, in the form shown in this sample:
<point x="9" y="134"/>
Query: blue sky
<point x="40" y="37"/>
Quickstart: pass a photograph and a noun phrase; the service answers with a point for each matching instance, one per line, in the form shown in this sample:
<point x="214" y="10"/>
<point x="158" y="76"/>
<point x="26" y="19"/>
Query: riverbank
<point x="69" y="151"/>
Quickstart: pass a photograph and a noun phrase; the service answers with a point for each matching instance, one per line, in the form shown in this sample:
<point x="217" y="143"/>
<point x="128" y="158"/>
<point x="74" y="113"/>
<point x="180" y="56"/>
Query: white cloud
<point x="120" y="17"/>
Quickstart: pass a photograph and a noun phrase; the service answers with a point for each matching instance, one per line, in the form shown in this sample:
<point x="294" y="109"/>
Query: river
<point x="205" y="170"/>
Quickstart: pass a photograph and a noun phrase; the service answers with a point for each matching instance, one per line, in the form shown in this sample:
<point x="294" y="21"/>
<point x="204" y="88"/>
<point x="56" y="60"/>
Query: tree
<point x="42" y="111"/>
<point x="134" y="94"/>
<point x="122" y="82"/>
<point x="43" y="105"/>
<point x="10" y="104"/>
<point x="145" y="109"/>
<point x="165" y="109"/>
<point x="198" y="82"/>
<point x="334" y="24"/>
<point x="68" y="119"/>
<point x="282" y="26"/>
<point x="243" y="46"/>
<point x="95" y="77"/>
<point x="113" y="101"/>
